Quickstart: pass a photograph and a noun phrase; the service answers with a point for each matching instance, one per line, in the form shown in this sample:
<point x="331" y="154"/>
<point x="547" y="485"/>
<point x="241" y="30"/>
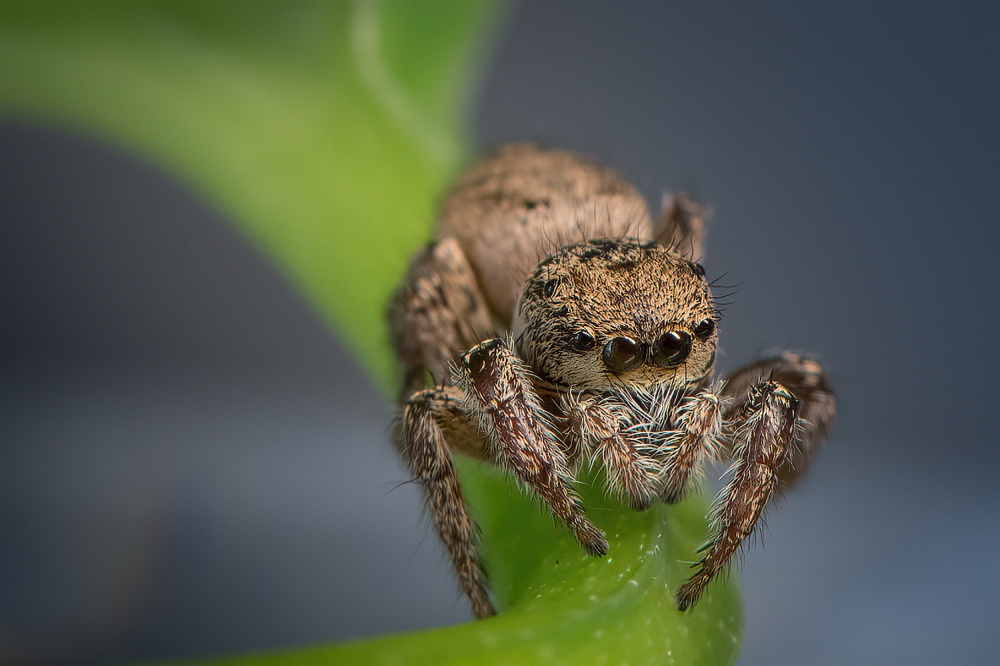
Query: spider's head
<point x="610" y="313"/>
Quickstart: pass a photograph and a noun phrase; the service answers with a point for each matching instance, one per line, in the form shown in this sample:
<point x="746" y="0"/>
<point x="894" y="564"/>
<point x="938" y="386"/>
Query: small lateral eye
<point x="476" y="358"/>
<point x="583" y="341"/>
<point x="671" y="349"/>
<point x="474" y="361"/>
<point x="705" y="328"/>
<point x="623" y="354"/>
<point x="549" y="288"/>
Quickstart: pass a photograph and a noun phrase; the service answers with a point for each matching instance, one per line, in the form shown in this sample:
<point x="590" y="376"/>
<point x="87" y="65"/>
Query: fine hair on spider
<point x="570" y="329"/>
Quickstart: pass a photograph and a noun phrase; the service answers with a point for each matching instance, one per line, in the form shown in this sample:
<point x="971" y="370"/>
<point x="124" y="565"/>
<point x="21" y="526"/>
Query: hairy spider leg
<point x="438" y="312"/>
<point x="427" y="417"/>
<point x="761" y="446"/>
<point x="682" y="225"/>
<point x="807" y="380"/>
<point x="499" y="393"/>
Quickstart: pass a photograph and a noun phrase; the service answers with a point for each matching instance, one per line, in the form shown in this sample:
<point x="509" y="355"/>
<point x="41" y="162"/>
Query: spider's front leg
<point x="763" y="437"/>
<point x="805" y="378"/>
<point x="499" y="394"/>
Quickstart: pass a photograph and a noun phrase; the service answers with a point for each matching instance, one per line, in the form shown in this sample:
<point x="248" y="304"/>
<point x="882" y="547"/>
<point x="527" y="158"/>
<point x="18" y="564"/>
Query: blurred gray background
<point x="191" y="464"/>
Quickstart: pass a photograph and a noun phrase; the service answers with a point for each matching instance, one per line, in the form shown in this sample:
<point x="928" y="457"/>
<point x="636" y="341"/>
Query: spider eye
<point x="583" y="341"/>
<point x="671" y="349"/>
<point x="549" y="288"/>
<point x="623" y="354"/>
<point x="474" y="361"/>
<point x="705" y="329"/>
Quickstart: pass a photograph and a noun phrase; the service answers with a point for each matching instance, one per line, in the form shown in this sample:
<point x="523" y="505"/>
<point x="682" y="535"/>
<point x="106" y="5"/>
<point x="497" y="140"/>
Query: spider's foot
<point x="689" y="593"/>
<point x="591" y="538"/>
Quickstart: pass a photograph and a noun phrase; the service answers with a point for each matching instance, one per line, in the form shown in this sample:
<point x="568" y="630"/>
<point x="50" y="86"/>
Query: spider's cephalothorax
<point x="604" y="313"/>
<point x="574" y="328"/>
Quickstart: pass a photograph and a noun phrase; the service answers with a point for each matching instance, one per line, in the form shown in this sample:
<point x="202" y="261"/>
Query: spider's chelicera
<point x="567" y="327"/>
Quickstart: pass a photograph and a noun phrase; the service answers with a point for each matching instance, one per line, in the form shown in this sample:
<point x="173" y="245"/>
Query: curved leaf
<point x="565" y="606"/>
<point x="308" y="123"/>
<point x="326" y="132"/>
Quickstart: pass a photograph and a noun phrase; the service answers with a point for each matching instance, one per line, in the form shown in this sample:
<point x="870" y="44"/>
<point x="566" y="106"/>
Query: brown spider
<point x="600" y="338"/>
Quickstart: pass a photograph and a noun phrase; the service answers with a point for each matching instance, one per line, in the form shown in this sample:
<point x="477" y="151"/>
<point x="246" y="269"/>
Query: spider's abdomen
<point x="513" y="208"/>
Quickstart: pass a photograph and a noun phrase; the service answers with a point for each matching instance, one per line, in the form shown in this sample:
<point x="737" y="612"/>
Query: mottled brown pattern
<point x="510" y="210"/>
<point x="436" y="312"/>
<point x="578" y="332"/>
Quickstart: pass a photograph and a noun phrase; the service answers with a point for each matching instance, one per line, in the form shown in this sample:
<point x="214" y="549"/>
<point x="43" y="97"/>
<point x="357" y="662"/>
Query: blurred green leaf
<point x="327" y="132"/>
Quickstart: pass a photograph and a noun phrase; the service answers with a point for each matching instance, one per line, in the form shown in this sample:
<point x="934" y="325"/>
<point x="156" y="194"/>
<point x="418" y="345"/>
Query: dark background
<point x="191" y="464"/>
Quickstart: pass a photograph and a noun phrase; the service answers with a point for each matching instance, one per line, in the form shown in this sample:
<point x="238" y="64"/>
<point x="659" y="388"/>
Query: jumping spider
<point x="574" y="328"/>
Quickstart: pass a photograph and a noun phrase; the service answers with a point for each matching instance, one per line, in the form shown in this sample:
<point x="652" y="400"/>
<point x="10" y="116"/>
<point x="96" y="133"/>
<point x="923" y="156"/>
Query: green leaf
<point x="327" y="132"/>
<point x="565" y="606"/>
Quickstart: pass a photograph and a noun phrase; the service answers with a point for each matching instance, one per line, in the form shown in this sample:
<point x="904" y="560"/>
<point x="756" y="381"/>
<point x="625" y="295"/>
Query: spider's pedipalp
<point x="696" y="438"/>
<point x="596" y="426"/>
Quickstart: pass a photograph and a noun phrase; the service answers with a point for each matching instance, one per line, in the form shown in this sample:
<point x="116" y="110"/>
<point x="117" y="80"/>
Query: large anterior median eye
<point x="623" y="354"/>
<point x="671" y="349"/>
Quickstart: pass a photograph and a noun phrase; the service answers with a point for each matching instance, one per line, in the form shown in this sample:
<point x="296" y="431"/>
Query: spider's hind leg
<point x="682" y="226"/>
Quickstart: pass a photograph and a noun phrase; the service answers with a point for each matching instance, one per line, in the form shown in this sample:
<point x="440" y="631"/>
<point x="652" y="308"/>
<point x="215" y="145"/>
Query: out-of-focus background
<point x="191" y="464"/>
